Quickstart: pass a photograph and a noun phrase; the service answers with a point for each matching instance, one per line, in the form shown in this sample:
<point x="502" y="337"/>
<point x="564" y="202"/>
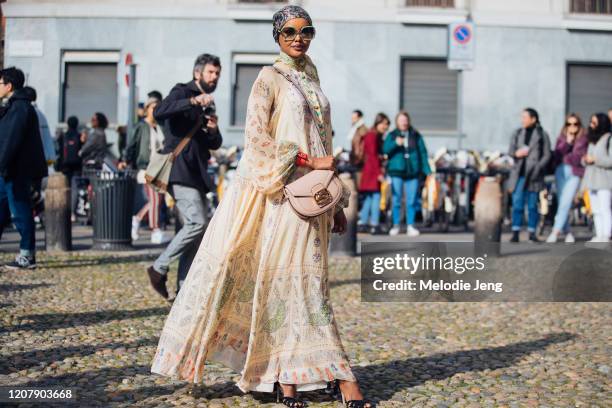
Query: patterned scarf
<point x="304" y="73"/>
<point x="285" y="14"/>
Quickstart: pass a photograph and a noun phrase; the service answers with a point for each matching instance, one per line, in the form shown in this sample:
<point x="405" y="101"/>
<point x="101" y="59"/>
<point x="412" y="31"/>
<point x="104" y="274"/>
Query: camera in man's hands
<point x="209" y="110"/>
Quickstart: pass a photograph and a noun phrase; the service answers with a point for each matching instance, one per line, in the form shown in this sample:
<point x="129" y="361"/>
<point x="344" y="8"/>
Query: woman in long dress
<point x="256" y="298"/>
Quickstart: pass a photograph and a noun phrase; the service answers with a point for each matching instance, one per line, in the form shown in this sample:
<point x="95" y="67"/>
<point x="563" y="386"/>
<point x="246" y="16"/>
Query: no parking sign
<point x="461" y="46"/>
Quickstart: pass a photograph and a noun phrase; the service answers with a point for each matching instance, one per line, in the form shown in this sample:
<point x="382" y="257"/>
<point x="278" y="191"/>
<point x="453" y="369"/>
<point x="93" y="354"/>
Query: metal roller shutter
<point x="245" y="76"/>
<point x="589" y="90"/>
<point x="429" y="94"/>
<point x="89" y="88"/>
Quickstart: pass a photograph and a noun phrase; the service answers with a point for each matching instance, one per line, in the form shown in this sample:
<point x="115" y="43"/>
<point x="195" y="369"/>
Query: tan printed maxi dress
<point x="256" y="298"/>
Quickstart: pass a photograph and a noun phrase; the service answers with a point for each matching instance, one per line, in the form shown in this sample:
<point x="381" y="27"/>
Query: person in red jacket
<point x="372" y="175"/>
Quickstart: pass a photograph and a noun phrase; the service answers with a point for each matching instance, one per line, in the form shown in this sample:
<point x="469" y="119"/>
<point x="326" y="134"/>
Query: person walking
<point x="598" y="175"/>
<point x="69" y="162"/>
<point x="256" y="297"/>
<point x="356" y="139"/>
<point x="22" y="162"/>
<point x="188" y="106"/>
<point x="530" y="148"/>
<point x="571" y="146"/>
<point x="407" y="162"/>
<point x="147" y="139"/>
<point x="94" y="148"/>
<point x="372" y="175"/>
<point x="43" y="125"/>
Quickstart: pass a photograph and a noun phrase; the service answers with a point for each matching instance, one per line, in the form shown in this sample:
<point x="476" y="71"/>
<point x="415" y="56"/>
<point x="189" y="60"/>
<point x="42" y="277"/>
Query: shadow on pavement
<point x="91" y="385"/>
<point x="35" y="358"/>
<point x="42" y="322"/>
<point x="92" y="261"/>
<point x="14" y="287"/>
<point x="415" y="371"/>
<point x="336" y="283"/>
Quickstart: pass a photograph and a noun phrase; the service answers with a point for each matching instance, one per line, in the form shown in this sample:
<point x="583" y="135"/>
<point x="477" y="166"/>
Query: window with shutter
<point x="589" y="89"/>
<point x="430" y="3"/>
<point x="591" y="6"/>
<point x="245" y="76"/>
<point x="89" y="88"/>
<point x="429" y="94"/>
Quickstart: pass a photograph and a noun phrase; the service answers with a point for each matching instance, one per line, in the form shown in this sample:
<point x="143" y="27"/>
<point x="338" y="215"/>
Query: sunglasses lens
<point x="308" y="32"/>
<point x="289" y="32"/>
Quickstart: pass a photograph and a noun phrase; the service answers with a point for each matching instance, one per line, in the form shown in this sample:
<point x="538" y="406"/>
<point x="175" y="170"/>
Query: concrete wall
<point x="359" y="62"/>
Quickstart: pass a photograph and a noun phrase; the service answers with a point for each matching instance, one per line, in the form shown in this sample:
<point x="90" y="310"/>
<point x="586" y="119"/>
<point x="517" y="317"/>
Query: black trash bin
<point x="113" y="201"/>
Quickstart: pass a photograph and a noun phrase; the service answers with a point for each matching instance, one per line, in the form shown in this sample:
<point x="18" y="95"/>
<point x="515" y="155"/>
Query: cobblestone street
<point x="91" y="322"/>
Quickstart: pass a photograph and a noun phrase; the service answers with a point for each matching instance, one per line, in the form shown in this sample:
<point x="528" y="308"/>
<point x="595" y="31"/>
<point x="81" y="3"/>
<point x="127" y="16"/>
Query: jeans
<point x="410" y="188"/>
<point x="16" y="199"/>
<point x="370" y="210"/>
<point x="519" y="195"/>
<point x="192" y="207"/>
<point x="567" y="186"/>
<point x="602" y="213"/>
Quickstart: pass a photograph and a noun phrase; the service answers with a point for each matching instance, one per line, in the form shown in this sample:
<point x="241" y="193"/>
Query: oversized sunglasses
<point x="571" y="123"/>
<point x="307" y="33"/>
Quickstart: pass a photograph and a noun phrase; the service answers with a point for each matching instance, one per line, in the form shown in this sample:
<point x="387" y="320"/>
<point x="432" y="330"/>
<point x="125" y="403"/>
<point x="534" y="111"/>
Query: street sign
<point x="461" y="46"/>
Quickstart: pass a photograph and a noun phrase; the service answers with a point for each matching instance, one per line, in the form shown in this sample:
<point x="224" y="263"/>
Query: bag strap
<point x="183" y="143"/>
<point x="312" y="112"/>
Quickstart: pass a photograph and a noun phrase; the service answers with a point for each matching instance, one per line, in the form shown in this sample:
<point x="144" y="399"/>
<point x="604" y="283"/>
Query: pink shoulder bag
<point x="317" y="191"/>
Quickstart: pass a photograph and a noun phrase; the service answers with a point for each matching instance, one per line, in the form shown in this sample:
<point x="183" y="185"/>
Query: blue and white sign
<point x="461" y="46"/>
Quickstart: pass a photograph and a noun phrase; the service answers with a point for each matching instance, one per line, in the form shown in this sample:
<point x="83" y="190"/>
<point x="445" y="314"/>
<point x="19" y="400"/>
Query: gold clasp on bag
<point x="323" y="197"/>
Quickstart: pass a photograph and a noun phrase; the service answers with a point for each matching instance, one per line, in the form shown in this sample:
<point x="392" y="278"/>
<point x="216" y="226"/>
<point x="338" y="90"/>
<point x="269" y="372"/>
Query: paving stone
<point x="91" y="322"/>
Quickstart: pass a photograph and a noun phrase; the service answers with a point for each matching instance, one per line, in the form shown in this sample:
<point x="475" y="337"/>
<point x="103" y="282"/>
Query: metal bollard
<point x="58" y="228"/>
<point x="488" y="216"/>
<point x="346" y="244"/>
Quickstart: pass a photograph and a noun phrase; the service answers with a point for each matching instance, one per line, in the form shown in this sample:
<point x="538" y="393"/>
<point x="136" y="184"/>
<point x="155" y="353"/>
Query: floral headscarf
<point x="285" y="14"/>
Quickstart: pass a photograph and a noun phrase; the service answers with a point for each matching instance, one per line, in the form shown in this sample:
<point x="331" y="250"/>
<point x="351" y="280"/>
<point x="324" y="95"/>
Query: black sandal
<point x="362" y="403"/>
<point x="290" y="402"/>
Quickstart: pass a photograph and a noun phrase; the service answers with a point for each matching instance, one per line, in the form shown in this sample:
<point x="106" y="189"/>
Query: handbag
<point x="157" y="173"/>
<point x="317" y="191"/>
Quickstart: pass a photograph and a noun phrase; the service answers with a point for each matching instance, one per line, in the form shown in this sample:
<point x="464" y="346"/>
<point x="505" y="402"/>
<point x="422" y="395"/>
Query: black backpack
<point x="71" y="144"/>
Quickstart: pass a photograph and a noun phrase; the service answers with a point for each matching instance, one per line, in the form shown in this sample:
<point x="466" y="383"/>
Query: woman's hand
<point x="588" y="159"/>
<point x="322" y="163"/>
<point x="339" y="222"/>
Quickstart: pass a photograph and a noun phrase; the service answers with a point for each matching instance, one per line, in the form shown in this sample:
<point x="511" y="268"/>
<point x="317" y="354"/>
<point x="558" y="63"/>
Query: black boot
<point x="158" y="281"/>
<point x="515" y="236"/>
<point x="362" y="228"/>
<point x="375" y="230"/>
<point x="533" y="237"/>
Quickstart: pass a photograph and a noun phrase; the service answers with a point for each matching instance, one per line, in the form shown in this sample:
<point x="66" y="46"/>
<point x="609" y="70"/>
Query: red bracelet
<point x="301" y="159"/>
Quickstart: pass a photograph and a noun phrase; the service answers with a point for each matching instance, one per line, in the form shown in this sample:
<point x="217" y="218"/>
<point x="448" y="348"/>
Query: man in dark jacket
<point x="69" y="162"/>
<point x="22" y="161"/>
<point x="188" y="106"/>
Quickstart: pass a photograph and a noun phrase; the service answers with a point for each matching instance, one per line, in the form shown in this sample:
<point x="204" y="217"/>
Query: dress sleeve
<point x="270" y="162"/>
<point x="344" y="198"/>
